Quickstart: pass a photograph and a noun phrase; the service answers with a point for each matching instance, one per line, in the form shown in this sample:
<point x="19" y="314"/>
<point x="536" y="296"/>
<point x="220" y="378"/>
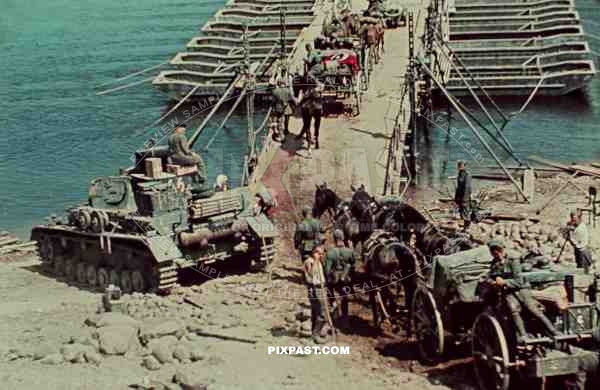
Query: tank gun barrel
<point x="202" y="237"/>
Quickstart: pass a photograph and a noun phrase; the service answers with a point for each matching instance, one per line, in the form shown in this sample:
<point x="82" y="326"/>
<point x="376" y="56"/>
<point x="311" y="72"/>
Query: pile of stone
<point x="296" y="324"/>
<point x="169" y="342"/>
<point x="524" y="236"/>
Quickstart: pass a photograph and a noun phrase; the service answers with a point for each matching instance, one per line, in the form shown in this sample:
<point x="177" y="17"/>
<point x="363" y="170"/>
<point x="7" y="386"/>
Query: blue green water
<point x="57" y="134"/>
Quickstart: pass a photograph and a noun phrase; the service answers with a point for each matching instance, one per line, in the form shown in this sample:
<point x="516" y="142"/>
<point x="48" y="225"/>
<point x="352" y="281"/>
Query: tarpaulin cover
<point x="455" y="276"/>
<point x="332" y="59"/>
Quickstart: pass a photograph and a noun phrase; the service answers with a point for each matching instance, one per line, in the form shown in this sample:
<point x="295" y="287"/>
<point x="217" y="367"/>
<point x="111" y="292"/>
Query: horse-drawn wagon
<point x="448" y="309"/>
<point x="340" y="73"/>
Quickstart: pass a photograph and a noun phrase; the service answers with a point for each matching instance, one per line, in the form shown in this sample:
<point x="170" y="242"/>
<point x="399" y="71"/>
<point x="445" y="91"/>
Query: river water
<point x="57" y="135"/>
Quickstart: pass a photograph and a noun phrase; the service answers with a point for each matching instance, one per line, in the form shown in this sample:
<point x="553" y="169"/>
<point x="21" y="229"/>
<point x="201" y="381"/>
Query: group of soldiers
<point x="328" y="274"/>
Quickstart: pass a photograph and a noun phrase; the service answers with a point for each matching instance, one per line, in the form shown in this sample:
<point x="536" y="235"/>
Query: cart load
<point x="340" y="62"/>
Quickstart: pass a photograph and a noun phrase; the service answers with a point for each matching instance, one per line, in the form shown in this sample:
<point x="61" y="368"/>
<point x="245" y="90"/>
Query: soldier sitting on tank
<point x="505" y="274"/>
<point x="309" y="233"/>
<point x="221" y="183"/>
<point x="181" y="154"/>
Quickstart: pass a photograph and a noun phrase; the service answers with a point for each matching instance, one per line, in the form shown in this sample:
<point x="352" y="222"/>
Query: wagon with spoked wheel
<point x="340" y="74"/>
<point x="449" y="310"/>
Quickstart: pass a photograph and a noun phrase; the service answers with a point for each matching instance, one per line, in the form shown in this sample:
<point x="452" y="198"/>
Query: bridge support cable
<point x="454" y="57"/>
<point x="483" y="142"/>
<point x="474" y="95"/>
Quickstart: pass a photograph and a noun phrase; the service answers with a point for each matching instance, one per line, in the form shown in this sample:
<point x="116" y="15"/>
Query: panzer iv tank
<point x="138" y="229"/>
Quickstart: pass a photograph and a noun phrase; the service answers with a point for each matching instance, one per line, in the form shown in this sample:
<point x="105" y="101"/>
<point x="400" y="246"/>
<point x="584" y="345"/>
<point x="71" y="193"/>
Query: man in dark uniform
<point x="181" y="154"/>
<point x="312" y="108"/>
<point x="506" y="274"/>
<point x="308" y="234"/>
<point x="462" y="196"/>
<point x="339" y="269"/>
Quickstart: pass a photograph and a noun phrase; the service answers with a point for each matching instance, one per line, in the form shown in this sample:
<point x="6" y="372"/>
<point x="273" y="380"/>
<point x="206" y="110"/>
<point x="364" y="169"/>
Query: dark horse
<point x="357" y="217"/>
<point x="388" y="261"/>
<point x="325" y="200"/>
<point x="406" y="222"/>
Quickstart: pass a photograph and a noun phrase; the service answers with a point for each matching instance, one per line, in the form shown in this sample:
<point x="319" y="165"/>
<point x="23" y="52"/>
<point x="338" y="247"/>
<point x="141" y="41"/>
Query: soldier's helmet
<point x="495" y="244"/>
<point x="338" y="235"/>
<point x="306" y="211"/>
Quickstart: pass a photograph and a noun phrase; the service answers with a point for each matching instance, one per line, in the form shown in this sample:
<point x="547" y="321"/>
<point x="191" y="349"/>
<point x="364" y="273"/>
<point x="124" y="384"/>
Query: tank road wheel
<point x="138" y="284"/>
<point x="58" y="266"/>
<point x="70" y="271"/>
<point x="80" y="271"/>
<point x="98" y="221"/>
<point x="103" y="279"/>
<point x="47" y="250"/>
<point x="125" y="279"/>
<point x="91" y="275"/>
<point x="113" y="278"/>
<point x="84" y="219"/>
<point x="428" y="326"/>
<point x="490" y="353"/>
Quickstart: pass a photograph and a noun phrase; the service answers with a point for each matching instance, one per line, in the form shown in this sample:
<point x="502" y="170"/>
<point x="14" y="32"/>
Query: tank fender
<point x="262" y="226"/>
<point x="163" y="248"/>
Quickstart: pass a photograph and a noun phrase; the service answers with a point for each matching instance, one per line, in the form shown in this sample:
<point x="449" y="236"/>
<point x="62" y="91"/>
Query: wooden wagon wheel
<point x="490" y="353"/>
<point x="428" y="326"/>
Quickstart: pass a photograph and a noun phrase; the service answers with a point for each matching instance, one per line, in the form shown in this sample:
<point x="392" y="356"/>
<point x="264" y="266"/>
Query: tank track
<point x="167" y="278"/>
<point x="266" y="255"/>
<point x="132" y="271"/>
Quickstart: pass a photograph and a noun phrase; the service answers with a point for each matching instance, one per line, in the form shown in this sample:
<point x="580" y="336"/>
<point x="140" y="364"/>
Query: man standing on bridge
<point x="462" y="195"/>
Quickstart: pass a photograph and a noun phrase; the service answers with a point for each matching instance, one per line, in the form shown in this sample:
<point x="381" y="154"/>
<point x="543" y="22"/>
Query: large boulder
<point x="183" y="352"/>
<point x="116" y="339"/>
<point x="75" y="353"/>
<point x="163" y="348"/>
<point x="169" y="328"/>
<point x="151" y="363"/>
<point x="93" y="357"/>
<point x="112" y="319"/>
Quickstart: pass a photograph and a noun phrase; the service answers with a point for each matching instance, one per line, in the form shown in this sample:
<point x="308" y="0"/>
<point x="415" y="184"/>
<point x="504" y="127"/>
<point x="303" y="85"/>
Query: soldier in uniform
<point x="308" y="234"/>
<point x="505" y="273"/>
<point x="181" y="154"/>
<point x="462" y="195"/>
<point x="315" y="283"/>
<point x="339" y="268"/>
<point x="283" y="103"/>
<point x="577" y="234"/>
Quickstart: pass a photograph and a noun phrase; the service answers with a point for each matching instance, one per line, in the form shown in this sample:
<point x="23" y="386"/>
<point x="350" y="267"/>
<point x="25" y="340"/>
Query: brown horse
<point x="373" y="38"/>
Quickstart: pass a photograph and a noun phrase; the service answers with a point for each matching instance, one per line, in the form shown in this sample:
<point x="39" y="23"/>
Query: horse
<point x="347" y="223"/>
<point x="351" y="24"/>
<point x="406" y="222"/>
<point x="388" y="261"/>
<point x="325" y="200"/>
